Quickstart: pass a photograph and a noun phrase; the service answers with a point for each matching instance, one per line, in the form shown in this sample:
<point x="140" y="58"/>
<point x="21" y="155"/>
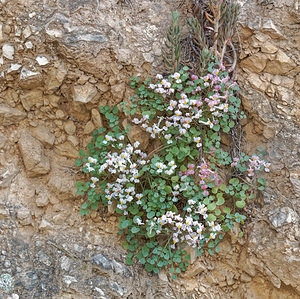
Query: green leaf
<point x="222" y="187"/>
<point x="231" y="124"/>
<point x="125" y="245"/>
<point x="124" y="224"/>
<point x="240" y="204"/>
<point x="151" y="234"/>
<point x="115" y="110"/>
<point x="211" y="217"/>
<point x="169" y="157"/>
<point x="168" y="189"/>
<point x="174" y="179"/>
<point x="129" y="261"/>
<point x="145" y="251"/>
<point x="262" y="181"/>
<point x="234" y="181"/>
<point x="220" y="201"/>
<point x="135" y="230"/>
<point x="182" y="168"/>
<point x="81" y="153"/>
<point x="150" y="214"/>
<point x="78" y="162"/>
<point x="211" y="206"/>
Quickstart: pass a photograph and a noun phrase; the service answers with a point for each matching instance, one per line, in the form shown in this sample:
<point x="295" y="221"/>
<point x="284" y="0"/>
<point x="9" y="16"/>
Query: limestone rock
<point x="84" y="93"/>
<point x="33" y="154"/>
<point x="42" y="60"/>
<point x="255" y="63"/>
<point x="9" y="115"/>
<point x="3" y="140"/>
<point x="280" y="65"/>
<point x="69" y="127"/>
<point x="55" y="77"/>
<point x="268" y="47"/>
<point x="118" y="91"/>
<point x="30" y="79"/>
<point x="257" y="83"/>
<point x="63" y="189"/>
<point x="8" y="51"/>
<point x="14" y="67"/>
<point x="269" y="28"/>
<point x="283" y="216"/>
<point x="24" y="216"/>
<point x="96" y="118"/>
<point x="43" y="134"/>
<point x="42" y="200"/>
<point x="66" y="149"/>
<point x="295" y="180"/>
<point x="89" y="128"/>
<point x="7" y="174"/>
<point x="31" y="98"/>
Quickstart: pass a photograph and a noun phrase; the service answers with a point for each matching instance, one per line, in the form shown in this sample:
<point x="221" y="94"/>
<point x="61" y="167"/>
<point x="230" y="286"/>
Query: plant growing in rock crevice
<point x="189" y="190"/>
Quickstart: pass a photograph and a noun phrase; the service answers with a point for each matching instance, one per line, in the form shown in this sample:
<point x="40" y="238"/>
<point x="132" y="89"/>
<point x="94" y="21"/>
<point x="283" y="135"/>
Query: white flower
<point x="92" y="160"/>
<point x="172" y="105"/>
<point x="139" y="221"/>
<point x="159" y="76"/>
<point x="198" y="141"/>
<point x="176" y="75"/>
<point x="136" y="144"/>
<point x="94" y="179"/>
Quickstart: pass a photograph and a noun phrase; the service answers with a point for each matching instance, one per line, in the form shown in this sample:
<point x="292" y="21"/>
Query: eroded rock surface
<point x="61" y="60"/>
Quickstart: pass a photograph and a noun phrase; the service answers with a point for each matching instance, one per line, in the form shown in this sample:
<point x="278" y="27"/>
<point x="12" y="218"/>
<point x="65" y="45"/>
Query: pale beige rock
<point x="70" y="127"/>
<point x="96" y="118"/>
<point x="43" y="134"/>
<point x="64" y="189"/>
<point x="44" y="225"/>
<point x="59" y="114"/>
<point x="89" y="128"/>
<point x="42" y="200"/>
<point x="30" y="79"/>
<point x="4" y="213"/>
<point x="102" y="87"/>
<point x="269" y="28"/>
<point x="84" y="93"/>
<point x="255" y="82"/>
<point x="8" y="51"/>
<point x="53" y="100"/>
<point x="255" y="63"/>
<point x="269" y="48"/>
<point x="33" y="154"/>
<point x="24" y="216"/>
<point x="74" y="140"/>
<point x="280" y="65"/>
<point x="118" y="91"/>
<point x="67" y="150"/>
<point x="9" y="115"/>
<point x="3" y="140"/>
<point x="55" y="77"/>
<point x="31" y="98"/>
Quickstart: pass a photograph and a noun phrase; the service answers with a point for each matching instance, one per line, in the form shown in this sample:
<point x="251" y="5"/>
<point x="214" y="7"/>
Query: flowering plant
<point x="188" y="190"/>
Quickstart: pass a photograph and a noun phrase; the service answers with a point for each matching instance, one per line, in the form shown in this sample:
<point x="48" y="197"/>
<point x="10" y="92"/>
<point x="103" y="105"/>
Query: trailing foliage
<point x="179" y="193"/>
<point x="185" y="190"/>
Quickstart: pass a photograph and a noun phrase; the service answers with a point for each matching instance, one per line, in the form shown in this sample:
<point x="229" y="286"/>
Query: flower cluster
<point x="178" y="191"/>
<point x="256" y="164"/>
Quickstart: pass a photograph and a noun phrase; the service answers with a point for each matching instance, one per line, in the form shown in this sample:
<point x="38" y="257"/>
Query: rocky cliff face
<point x="59" y="61"/>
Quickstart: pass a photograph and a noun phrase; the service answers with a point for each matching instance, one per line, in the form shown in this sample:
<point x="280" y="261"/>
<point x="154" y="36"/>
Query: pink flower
<point x="194" y="77"/>
<point x="205" y="193"/>
<point x="251" y="172"/>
